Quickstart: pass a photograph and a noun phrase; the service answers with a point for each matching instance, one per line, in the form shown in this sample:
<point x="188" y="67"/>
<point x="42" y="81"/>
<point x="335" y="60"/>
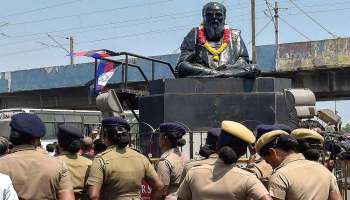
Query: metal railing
<point x="126" y="64"/>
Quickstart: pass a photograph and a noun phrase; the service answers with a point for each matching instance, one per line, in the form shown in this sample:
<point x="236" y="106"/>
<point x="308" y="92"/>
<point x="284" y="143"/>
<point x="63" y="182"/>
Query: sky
<point x="147" y="27"/>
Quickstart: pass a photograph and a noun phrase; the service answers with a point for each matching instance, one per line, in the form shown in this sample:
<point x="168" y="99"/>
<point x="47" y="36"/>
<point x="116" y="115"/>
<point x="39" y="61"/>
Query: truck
<point x="85" y="120"/>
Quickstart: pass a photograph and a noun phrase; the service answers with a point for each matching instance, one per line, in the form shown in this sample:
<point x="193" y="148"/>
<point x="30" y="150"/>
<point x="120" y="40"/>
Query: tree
<point x="346" y="128"/>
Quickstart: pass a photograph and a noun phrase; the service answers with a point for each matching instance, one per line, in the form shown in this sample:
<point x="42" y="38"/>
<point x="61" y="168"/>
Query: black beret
<point x="213" y="135"/>
<point x="70" y="131"/>
<point x="172" y="127"/>
<point x="116" y="121"/>
<point x="285" y="128"/>
<point x="261" y="129"/>
<point x="214" y="132"/>
<point x="29" y="124"/>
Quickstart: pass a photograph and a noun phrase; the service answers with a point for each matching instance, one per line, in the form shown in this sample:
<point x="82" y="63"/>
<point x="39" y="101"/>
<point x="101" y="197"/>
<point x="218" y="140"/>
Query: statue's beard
<point x="214" y="33"/>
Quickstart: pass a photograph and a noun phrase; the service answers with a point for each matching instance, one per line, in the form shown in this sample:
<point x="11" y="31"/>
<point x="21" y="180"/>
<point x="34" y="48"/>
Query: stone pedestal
<point x="204" y="102"/>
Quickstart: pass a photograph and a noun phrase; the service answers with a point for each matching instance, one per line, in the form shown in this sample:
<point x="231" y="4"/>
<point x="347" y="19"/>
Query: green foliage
<point x="346" y="128"/>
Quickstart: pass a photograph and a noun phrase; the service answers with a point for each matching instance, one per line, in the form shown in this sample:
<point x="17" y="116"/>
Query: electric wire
<point x="319" y="11"/>
<point x="40" y="9"/>
<point x="89" y="13"/>
<point x="77" y="28"/>
<point x="295" y="29"/>
<point x="103" y="11"/>
<point x="261" y="30"/>
<point x="314" y="20"/>
<point x="151" y="32"/>
<point x="160" y="31"/>
<point x="86" y="29"/>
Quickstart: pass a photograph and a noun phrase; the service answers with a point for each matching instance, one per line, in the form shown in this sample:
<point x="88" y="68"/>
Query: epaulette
<point x="163" y="156"/>
<point x="103" y="153"/>
<point x="198" y="164"/>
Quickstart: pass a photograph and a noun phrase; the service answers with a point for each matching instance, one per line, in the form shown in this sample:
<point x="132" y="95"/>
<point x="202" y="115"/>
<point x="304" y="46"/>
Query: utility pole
<point x="253" y="31"/>
<point x="276" y="16"/>
<point x="71" y="49"/>
<point x="59" y="45"/>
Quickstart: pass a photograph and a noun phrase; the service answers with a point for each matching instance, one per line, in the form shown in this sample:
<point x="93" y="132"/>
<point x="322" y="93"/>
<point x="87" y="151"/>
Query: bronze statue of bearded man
<point x="214" y="49"/>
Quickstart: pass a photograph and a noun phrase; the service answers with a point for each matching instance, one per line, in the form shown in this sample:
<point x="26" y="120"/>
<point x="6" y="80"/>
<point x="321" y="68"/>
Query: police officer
<point x="35" y="175"/>
<point x="7" y="192"/>
<point x="171" y="162"/>
<point x="86" y="147"/>
<point x="69" y="144"/>
<point x="4" y="146"/>
<point x="309" y="143"/>
<point x="259" y="166"/>
<point x="294" y="177"/>
<point x="223" y="179"/>
<point x="208" y="151"/>
<point x="117" y="173"/>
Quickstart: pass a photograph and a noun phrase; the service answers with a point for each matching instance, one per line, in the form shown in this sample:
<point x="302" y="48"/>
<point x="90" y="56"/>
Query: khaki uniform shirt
<point x="79" y="168"/>
<point x="299" y="179"/>
<point x="220" y="181"/>
<point x="169" y="169"/>
<point x="120" y="172"/>
<point x="35" y="175"/>
<point x="262" y="170"/>
<point x="211" y="160"/>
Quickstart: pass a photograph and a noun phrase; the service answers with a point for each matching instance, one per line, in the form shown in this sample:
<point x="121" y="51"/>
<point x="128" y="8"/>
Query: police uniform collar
<point x="214" y="155"/>
<point x="219" y="161"/>
<point x="68" y="153"/>
<point x="291" y="158"/>
<point x="169" y="151"/>
<point x="22" y="148"/>
<point x="116" y="148"/>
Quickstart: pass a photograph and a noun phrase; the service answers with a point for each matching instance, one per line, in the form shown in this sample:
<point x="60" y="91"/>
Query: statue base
<point x="203" y="103"/>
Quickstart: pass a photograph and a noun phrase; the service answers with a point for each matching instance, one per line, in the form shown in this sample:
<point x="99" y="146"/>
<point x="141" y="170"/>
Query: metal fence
<point x="148" y="143"/>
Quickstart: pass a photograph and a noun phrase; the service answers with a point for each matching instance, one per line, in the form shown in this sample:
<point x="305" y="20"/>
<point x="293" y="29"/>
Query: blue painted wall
<point x="265" y="56"/>
<point x="81" y="74"/>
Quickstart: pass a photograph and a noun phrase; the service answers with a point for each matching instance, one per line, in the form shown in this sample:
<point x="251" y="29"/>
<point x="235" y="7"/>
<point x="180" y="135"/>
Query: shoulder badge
<point x="103" y="153"/>
<point x="164" y="155"/>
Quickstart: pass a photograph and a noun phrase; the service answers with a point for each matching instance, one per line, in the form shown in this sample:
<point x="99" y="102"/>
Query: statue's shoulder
<point x="193" y="31"/>
<point x="191" y="36"/>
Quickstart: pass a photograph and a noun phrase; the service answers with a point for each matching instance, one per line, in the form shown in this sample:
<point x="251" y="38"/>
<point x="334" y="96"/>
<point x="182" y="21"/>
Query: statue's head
<point x="214" y="15"/>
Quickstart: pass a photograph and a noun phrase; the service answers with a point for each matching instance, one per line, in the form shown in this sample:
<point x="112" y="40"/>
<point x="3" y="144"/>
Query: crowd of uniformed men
<point x="287" y="166"/>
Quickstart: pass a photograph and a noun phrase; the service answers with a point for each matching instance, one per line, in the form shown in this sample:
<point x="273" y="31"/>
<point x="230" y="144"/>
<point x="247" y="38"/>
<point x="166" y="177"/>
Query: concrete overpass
<point x="322" y="66"/>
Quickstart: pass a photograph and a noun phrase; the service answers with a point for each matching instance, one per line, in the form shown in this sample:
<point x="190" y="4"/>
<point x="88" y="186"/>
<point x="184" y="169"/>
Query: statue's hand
<point x="254" y="69"/>
<point x="225" y="74"/>
<point x="241" y="70"/>
<point x="190" y="57"/>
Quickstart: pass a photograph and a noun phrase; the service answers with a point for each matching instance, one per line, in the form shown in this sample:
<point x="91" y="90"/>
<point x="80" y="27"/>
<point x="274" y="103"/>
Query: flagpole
<point x="95" y="81"/>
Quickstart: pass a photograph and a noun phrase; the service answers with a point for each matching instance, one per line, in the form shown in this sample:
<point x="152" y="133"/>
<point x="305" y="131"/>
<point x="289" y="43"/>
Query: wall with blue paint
<point x="265" y="56"/>
<point x="332" y="53"/>
<point x="82" y="74"/>
<point x="77" y="75"/>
